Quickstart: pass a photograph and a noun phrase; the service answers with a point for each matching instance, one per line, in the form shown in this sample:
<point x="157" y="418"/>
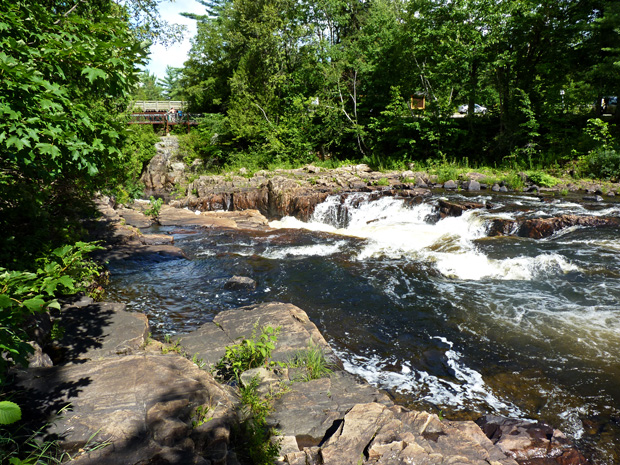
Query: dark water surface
<point x="436" y="312"/>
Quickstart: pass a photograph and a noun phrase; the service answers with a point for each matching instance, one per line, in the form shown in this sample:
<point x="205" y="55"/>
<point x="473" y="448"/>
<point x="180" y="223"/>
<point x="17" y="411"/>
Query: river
<point x="433" y="310"/>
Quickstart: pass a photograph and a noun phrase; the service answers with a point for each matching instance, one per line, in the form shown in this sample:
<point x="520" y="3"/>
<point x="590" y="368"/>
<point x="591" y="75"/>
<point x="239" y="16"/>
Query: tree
<point x="171" y="84"/>
<point x="65" y="73"/>
<point x="148" y="87"/>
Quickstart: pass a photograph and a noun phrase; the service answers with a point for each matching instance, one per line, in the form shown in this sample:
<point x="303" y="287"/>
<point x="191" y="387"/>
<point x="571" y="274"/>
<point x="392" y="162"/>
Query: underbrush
<point x="24" y="294"/>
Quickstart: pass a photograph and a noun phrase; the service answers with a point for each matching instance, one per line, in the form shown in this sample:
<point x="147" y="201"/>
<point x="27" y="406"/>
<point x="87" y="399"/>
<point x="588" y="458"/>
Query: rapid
<point x="433" y="310"/>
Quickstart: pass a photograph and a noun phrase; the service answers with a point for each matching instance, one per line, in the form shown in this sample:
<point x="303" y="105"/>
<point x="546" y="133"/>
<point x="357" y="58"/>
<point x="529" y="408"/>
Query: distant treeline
<point x="384" y="78"/>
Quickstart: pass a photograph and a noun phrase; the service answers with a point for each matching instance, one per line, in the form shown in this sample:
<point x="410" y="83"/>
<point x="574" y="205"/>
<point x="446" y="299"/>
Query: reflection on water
<point x="432" y="310"/>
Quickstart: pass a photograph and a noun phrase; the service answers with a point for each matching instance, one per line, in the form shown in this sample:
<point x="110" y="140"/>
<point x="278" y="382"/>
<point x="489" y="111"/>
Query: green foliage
<point x="248" y="353"/>
<point x="336" y="79"/>
<point x="22" y="446"/>
<point x="200" y="416"/>
<point x="148" y="87"/>
<point x="9" y="412"/>
<point x="542" y="179"/>
<point x="137" y="151"/>
<point x="155" y="207"/>
<point x="65" y="271"/>
<point x="253" y="433"/>
<point x="171" y="84"/>
<point x="65" y="73"/>
<point x="602" y="164"/>
<point x="598" y="131"/>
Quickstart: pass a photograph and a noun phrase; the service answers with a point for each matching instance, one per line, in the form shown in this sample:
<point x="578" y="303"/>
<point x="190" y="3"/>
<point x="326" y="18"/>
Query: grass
<point x="313" y="360"/>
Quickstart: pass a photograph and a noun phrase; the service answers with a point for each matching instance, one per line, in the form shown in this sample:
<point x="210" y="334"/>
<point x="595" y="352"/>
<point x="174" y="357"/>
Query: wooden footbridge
<point x="162" y="112"/>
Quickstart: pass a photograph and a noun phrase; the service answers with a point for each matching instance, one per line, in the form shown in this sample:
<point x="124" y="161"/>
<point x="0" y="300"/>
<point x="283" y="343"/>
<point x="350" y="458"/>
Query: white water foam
<point x="396" y="231"/>
<point x="319" y="250"/>
<point x="466" y="390"/>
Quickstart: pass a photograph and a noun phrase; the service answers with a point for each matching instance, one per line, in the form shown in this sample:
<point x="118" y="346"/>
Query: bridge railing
<point x="158" y="105"/>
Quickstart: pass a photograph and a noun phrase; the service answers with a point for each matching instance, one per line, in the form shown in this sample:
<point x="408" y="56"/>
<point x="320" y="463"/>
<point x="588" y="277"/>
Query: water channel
<point x="433" y="310"/>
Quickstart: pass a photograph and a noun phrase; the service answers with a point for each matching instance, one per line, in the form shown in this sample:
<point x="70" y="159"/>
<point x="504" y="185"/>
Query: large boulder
<point x="94" y="330"/>
<point x="447" y="208"/>
<point x="538" y="228"/>
<point x="165" y="169"/>
<point x="209" y="341"/>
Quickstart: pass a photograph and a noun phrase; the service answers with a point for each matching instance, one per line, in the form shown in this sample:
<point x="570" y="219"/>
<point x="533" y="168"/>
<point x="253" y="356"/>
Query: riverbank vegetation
<point x="287" y="83"/>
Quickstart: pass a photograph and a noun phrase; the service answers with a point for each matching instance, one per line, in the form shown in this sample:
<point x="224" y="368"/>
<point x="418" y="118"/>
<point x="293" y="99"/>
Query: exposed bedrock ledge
<point x="539" y="228"/>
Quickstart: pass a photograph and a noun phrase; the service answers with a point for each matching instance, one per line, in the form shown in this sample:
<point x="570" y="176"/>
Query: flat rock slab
<point x="93" y="330"/>
<point x="140" y="405"/>
<point x="296" y="331"/>
<point x="377" y="434"/>
<point x="128" y="242"/>
<point x="181" y="217"/>
<point x="135" y="218"/>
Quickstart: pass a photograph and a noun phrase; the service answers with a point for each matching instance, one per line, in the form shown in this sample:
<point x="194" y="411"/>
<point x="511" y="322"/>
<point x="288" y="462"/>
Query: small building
<point x="417" y="102"/>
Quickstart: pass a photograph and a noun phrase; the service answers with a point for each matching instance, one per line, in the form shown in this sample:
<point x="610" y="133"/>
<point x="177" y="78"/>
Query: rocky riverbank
<point x="132" y="400"/>
<point x="296" y="192"/>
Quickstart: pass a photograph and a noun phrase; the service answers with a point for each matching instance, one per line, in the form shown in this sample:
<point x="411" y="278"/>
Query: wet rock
<point x="593" y="198"/>
<point x="456" y="208"/>
<point x="502" y="227"/>
<point x="451" y="185"/>
<point x="240" y="283"/>
<point x="530" y="443"/>
<point x="288" y="198"/>
<point x="538" y="228"/>
<point x="142" y="405"/>
<point x="495" y="188"/>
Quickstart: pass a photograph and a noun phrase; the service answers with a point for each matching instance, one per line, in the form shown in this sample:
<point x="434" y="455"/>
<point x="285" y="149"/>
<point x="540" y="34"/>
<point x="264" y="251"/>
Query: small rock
<point x="450" y="184"/>
<point x="503" y="189"/>
<point x="496" y="187"/>
<point x="267" y="379"/>
<point x="593" y="198"/>
<point x="39" y="358"/>
<point x="240" y="283"/>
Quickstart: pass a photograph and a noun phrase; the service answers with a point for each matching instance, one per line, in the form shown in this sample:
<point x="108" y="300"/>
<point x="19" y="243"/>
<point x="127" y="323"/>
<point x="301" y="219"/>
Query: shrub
<point x="249" y="353"/>
<point x="542" y="179"/>
<point x="153" y="211"/>
<point x="602" y="163"/>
